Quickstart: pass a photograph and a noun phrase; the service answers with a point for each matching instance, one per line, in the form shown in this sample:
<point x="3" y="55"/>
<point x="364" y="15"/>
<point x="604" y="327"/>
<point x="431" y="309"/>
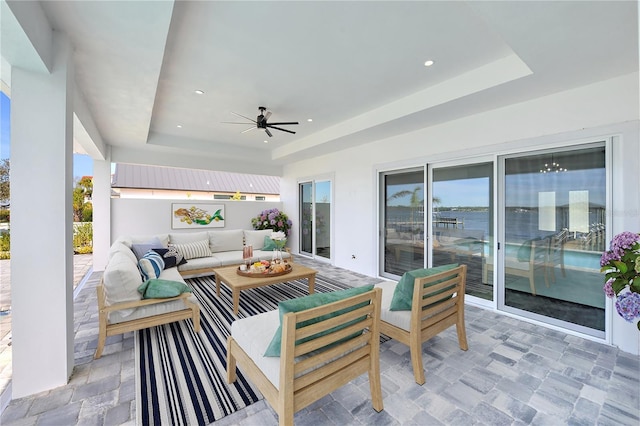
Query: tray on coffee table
<point x="287" y="269"/>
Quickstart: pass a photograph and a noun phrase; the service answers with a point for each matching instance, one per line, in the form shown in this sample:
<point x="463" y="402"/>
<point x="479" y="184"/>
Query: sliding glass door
<point x="315" y="215"/>
<point x="402" y="222"/>
<point x="552" y="236"/>
<point x="462" y="223"/>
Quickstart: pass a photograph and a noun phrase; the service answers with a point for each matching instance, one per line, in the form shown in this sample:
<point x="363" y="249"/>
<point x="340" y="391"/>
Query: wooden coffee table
<point x="236" y="282"/>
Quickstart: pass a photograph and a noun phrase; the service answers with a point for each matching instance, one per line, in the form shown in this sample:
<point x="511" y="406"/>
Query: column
<point x="42" y="224"/>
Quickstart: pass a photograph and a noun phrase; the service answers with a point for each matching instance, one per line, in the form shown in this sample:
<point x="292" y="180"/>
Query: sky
<point x="82" y="164"/>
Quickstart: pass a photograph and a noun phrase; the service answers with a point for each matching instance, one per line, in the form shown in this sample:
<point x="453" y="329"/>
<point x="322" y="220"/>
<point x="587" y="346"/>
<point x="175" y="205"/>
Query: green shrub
<point x="87" y="212"/>
<point x="5" y="255"/>
<point x="83" y="250"/>
<point x="4" y="215"/>
<point x="5" y="241"/>
<point x="82" y="235"/>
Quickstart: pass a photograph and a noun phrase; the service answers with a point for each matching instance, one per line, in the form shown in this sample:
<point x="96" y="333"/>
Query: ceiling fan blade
<point x="281" y="129"/>
<point x="249" y="129"/>
<point x="285" y="123"/>
<point x="267" y="115"/>
<point x="268" y="132"/>
<point x="234" y="122"/>
<point x="240" y="115"/>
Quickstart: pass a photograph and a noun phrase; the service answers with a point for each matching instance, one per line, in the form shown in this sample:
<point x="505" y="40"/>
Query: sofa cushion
<point x="193" y="250"/>
<point x="150" y="265"/>
<point x="200" y="263"/>
<point x="187" y="237"/>
<point x="308" y="302"/>
<point x="121" y="280"/>
<point x="150" y="310"/>
<point x="120" y="247"/>
<point x="162" y="289"/>
<point x="227" y="240"/>
<point x="140" y="239"/>
<point x="256" y="238"/>
<point x="140" y="249"/>
<point x="171" y="257"/>
<point x="403" y="294"/>
<point x="226" y="258"/>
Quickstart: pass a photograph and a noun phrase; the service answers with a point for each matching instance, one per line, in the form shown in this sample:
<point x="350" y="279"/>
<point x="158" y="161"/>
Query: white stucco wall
<point x="153" y="216"/>
<point x="590" y="113"/>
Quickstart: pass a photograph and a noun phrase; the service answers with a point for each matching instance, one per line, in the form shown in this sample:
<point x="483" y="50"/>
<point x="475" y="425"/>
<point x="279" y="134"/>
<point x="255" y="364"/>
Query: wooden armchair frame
<point x="308" y="373"/>
<point x="191" y="310"/>
<point x="434" y="308"/>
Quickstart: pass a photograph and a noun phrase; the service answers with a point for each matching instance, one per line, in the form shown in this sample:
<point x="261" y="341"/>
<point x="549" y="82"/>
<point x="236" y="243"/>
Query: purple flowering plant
<point x="621" y="264"/>
<point x="272" y="219"/>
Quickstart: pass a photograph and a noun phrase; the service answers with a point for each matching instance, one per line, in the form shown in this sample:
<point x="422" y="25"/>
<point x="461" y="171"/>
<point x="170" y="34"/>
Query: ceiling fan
<point x="261" y="122"/>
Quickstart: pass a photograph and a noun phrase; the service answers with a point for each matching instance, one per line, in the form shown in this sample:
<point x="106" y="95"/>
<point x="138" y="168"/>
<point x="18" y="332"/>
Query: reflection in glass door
<point x="553" y="226"/>
<point x="403" y="218"/>
<point x="462" y="223"/>
<point x="306" y="215"/>
<point x="315" y="214"/>
<point x="322" y="215"/>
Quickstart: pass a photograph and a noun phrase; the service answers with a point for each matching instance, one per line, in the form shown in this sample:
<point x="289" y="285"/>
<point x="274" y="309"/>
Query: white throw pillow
<point x="255" y="238"/>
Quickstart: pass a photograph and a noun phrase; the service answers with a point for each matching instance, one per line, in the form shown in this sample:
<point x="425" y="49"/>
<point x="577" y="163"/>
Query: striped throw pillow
<point x="193" y="250"/>
<point x="150" y="265"/>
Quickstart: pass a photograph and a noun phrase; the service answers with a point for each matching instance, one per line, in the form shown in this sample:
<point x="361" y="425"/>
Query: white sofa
<point x="225" y="248"/>
<point x="121" y="307"/>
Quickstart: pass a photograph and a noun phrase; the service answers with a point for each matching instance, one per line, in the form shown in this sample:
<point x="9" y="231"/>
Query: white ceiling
<point x="355" y="68"/>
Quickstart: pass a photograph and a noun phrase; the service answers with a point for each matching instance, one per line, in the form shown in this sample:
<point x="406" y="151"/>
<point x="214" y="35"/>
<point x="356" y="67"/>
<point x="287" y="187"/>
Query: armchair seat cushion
<point x="253" y="335"/>
<point x="401" y="319"/>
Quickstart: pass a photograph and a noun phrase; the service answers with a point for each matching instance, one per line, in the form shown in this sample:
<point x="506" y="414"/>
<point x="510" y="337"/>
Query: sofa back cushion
<point x="120" y="247"/>
<point x="187" y="237"/>
<point x="227" y="240"/>
<point x="255" y="238"/>
<point x="141" y="239"/>
<point x="121" y="280"/>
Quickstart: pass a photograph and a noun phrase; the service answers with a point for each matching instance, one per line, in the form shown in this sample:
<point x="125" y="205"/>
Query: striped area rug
<point x="181" y="375"/>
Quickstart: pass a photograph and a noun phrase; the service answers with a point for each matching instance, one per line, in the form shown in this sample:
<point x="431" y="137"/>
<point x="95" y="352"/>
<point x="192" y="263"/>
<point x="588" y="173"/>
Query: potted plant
<point x="621" y="264"/>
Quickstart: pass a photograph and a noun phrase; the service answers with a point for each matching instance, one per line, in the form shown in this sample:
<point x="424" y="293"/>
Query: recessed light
<point x="198" y="92"/>
<point x="309" y="120"/>
<point x="428" y="63"/>
<point x="179" y="126"/>
<point x="266" y="141"/>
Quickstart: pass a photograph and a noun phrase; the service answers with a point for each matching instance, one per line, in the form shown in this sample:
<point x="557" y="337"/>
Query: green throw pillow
<point x="269" y="244"/>
<point x="403" y="294"/>
<point x="308" y="302"/>
<point x="162" y="289"/>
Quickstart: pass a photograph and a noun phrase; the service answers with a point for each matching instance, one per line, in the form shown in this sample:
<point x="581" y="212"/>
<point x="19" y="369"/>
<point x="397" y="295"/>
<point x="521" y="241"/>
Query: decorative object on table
<point x="264" y="268"/>
<point x="247" y="255"/>
<point x="279" y="240"/>
<point x="272" y="219"/>
<point x="197" y="215"/>
<point x="621" y="263"/>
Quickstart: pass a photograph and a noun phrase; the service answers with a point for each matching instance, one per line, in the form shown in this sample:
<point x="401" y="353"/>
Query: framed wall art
<point x="196" y="215"/>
